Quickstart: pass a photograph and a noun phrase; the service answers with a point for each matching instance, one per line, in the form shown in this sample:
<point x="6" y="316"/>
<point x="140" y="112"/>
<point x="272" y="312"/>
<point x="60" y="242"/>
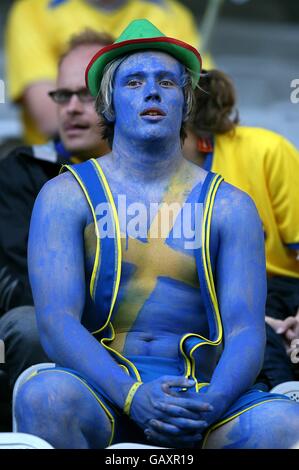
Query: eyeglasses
<point x="63" y="95"/>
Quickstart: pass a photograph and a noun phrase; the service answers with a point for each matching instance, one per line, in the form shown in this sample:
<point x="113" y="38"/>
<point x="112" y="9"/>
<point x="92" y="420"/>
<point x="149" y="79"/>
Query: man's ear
<point x="109" y="117"/>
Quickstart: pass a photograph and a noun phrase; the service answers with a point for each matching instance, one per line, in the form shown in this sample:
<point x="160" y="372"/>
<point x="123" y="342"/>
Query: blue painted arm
<point x="56" y="270"/>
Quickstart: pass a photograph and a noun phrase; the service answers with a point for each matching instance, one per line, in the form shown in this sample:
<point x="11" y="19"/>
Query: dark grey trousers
<point x="19" y="332"/>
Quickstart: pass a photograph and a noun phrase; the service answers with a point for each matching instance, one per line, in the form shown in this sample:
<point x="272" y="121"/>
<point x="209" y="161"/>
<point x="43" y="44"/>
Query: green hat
<point x="141" y="35"/>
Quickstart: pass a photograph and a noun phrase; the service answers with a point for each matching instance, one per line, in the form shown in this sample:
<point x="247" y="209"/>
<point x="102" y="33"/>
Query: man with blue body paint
<point x="154" y="341"/>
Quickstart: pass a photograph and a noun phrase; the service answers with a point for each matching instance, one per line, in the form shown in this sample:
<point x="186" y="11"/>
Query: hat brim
<point x="183" y="52"/>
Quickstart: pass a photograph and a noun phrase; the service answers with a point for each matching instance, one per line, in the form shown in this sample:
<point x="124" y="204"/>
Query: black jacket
<point x="22" y="175"/>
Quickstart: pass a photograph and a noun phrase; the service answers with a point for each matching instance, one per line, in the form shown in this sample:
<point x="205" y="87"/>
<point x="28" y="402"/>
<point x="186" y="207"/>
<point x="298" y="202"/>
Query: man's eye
<point x="63" y="96"/>
<point x="134" y="83"/>
<point x="167" y="83"/>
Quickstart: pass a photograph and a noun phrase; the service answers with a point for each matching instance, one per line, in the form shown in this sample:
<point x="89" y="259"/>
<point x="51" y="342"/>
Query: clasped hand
<point x="170" y="413"/>
<point x="288" y="328"/>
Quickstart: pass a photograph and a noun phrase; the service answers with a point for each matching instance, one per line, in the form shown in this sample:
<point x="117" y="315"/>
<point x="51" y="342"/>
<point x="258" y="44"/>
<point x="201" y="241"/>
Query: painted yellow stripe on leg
<point x="107" y="412"/>
<point x="230" y="418"/>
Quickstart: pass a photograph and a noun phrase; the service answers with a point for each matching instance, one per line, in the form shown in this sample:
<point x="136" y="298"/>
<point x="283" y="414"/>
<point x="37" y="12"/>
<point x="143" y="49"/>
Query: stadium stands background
<point x="255" y="42"/>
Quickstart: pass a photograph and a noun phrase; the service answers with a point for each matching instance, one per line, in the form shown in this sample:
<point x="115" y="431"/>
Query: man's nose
<point x="152" y="92"/>
<point x="74" y="105"/>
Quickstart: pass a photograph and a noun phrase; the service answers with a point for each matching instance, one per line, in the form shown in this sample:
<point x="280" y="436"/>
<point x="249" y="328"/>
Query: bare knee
<point x="59" y="408"/>
<point x="43" y="396"/>
<point x="272" y="425"/>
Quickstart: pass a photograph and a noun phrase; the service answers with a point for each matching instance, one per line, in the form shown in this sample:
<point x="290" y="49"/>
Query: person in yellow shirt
<point x="266" y="166"/>
<point x="38" y="32"/>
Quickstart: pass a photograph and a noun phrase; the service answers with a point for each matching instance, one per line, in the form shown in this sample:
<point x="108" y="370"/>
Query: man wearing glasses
<point x="22" y="174"/>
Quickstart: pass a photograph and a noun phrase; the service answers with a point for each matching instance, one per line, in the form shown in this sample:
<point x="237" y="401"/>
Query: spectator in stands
<point x="266" y="166"/>
<point x="22" y="174"/>
<point x="155" y="338"/>
<point x="38" y="31"/>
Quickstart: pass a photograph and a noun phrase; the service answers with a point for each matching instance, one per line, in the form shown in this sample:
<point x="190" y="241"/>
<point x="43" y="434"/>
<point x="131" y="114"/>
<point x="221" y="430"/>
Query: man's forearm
<point x="237" y="369"/>
<point x="70" y="345"/>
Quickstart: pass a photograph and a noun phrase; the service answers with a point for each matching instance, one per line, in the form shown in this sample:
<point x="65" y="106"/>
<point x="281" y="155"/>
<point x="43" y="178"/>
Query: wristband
<point x="130" y="396"/>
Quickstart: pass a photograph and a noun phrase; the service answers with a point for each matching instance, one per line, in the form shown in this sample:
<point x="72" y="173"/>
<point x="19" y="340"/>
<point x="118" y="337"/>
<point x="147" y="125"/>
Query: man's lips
<point x="153" y="112"/>
<point x="69" y="127"/>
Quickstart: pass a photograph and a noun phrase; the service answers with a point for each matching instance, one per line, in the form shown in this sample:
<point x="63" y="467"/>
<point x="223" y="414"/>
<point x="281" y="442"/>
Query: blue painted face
<point x="148" y="97"/>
